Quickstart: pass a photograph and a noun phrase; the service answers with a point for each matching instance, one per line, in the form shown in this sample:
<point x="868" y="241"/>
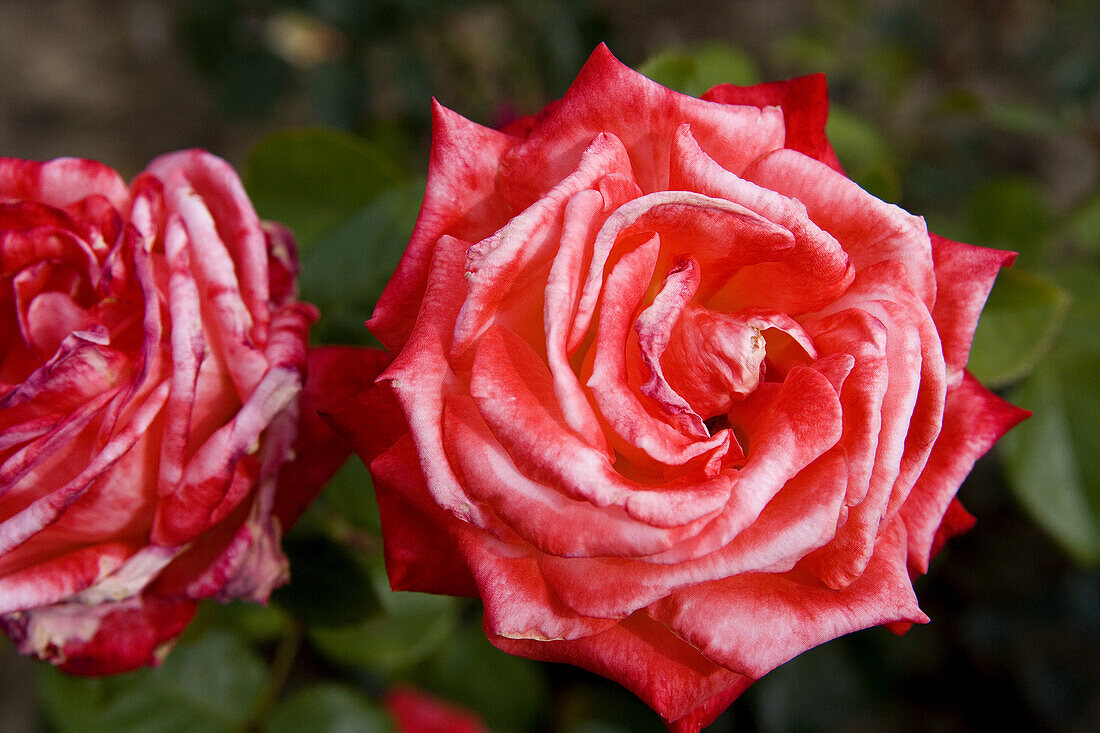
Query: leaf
<point x="329" y="584"/>
<point x="345" y="270"/>
<point x="328" y="708"/>
<point x="350" y="493"/>
<point x="411" y="627"/>
<point x="472" y="672"/>
<point x="206" y="686"/>
<point x="311" y="180"/>
<point x="1085" y="224"/>
<point x="1010" y="213"/>
<point x="696" y="69"/>
<point x="1043" y="465"/>
<point x="1018" y="327"/>
<point x="863" y="152"/>
<point x="1024" y="119"/>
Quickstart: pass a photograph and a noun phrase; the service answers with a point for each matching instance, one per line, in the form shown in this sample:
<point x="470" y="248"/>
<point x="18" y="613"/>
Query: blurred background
<point x="982" y="116"/>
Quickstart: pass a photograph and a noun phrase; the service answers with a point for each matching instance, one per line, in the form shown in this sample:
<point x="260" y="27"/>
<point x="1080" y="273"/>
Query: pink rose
<point x="153" y="357"/>
<point x="673" y="396"/>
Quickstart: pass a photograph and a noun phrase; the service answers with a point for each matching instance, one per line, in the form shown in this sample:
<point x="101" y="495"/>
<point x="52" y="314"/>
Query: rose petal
<point x="752" y="623"/>
<point x="964" y="277"/>
<point x="974" y="419"/>
<point x="462" y="176"/>
<point x="812" y="273"/>
<point x="645" y="657"/>
<point x="420" y="554"/>
<point x="513" y="393"/>
<point x="509" y="257"/>
<point x="805" y="104"/>
<point x="610" y="97"/>
<point x="870" y="230"/>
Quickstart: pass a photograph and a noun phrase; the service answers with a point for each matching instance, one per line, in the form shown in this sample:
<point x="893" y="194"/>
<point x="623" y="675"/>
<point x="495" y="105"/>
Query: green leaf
<point x="863" y="152"/>
<point x="1010" y="213"/>
<point x="1085" y="224"/>
<point x="311" y="180"/>
<point x="206" y="686"/>
<point x="345" y="270"/>
<point x="1043" y="463"/>
<point x="411" y="627"/>
<point x="328" y="708"/>
<point x="350" y="493"/>
<point x="472" y="672"/>
<point x="1018" y="327"/>
<point x="329" y="583"/>
<point x="696" y="69"/>
<point x="1023" y="119"/>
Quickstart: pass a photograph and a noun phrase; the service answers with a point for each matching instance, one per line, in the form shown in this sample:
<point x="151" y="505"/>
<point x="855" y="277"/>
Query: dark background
<point x="982" y="116"/>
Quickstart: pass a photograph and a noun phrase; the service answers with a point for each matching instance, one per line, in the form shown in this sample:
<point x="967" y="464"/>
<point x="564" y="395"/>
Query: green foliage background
<point x="982" y="117"/>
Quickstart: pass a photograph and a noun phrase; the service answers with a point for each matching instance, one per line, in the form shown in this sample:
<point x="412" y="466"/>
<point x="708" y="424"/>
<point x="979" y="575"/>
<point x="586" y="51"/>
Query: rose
<point x="415" y="711"/>
<point x="671" y="394"/>
<point x="153" y="359"/>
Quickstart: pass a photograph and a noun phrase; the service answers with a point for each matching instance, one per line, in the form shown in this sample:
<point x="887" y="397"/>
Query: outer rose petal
<point x="335" y="376"/>
<point x="964" y="277"/>
<point x="974" y="419"/>
<point x="103" y="639"/>
<point x="646" y="658"/>
<point x="462" y="176"/>
<point x="805" y="104"/>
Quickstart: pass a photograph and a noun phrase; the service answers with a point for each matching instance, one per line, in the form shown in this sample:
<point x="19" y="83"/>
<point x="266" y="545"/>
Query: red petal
<point x="649" y="660"/>
<point x="608" y="97"/>
<point x="109" y="638"/>
<point x="418" y="712"/>
<point x="420" y="554"/>
<point x="964" y="277"/>
<point x="336" y="376"/>
<point x="460" y="200"/>
<point x="974" y="419"/>
<point x="805" y="104"/>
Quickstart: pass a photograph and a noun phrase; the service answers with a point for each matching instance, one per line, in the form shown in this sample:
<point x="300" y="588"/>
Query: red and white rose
<point x="153" y="357"/>
<point x="675" y="397"/>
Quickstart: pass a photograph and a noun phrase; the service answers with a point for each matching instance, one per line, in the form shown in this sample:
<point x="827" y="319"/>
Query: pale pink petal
<point x="514" y="392"/>
<point x="215" y="181"/>
<point x="579" y="228"/>
<point x="459" y="200"/>
<point x="420" y="376"/>
<point x="752" y="623"/>
<point x="869" y="229"/>
<point x="57" y="579"/>
<point x="541" y="514"/>
<point x="61" y="181"/>
<point x="811" y="274"/>
<point x="510" y="257"/>
<point x="638" y="435"/>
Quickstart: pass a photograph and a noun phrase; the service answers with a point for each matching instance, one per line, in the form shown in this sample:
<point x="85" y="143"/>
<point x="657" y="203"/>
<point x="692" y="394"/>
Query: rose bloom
<point x="672" y="395"/>
<point x="152" y="359"/>
<point x="415" y="711"/>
